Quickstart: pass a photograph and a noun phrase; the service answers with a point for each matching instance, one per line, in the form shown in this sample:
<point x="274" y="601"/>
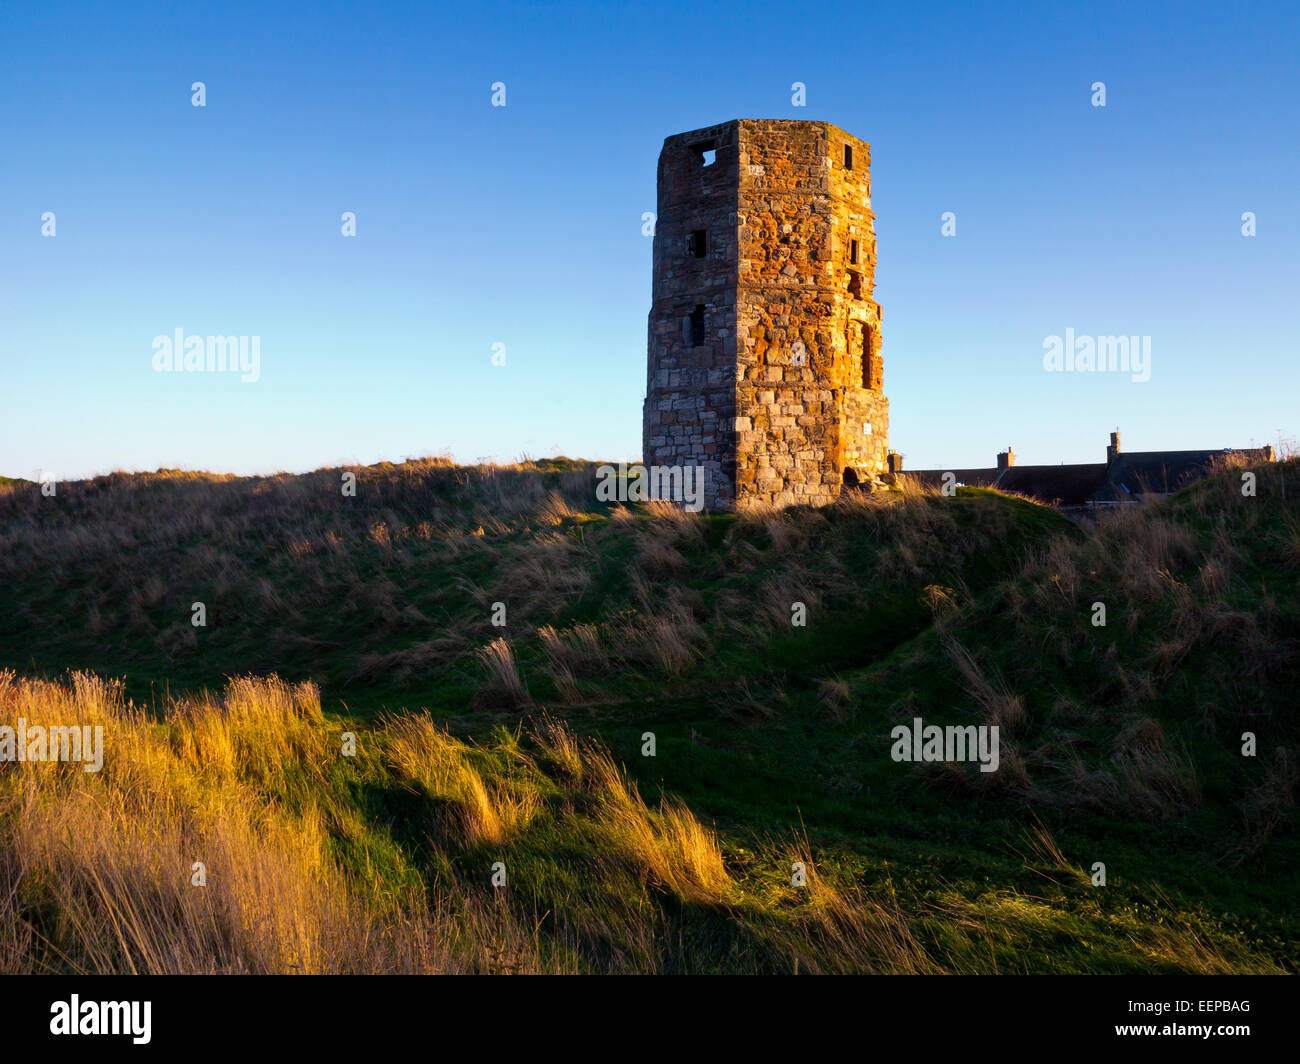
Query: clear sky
<point x="522" y="225"/>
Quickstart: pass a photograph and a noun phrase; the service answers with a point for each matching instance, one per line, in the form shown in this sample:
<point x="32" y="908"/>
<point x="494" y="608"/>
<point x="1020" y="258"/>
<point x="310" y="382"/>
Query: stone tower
<point x="764" y="339"/>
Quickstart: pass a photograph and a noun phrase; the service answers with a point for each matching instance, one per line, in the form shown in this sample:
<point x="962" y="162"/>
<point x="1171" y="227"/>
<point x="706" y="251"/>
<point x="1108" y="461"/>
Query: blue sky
<point x="522" y="225"/>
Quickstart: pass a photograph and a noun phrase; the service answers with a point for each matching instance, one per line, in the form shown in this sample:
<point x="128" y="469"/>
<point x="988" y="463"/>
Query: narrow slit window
<point x="848" y="157"/>
<point x="868" y="379"/>
<point x="853" y="252"/>
<point x="697" y="243"/>
<point x="697" y="326"/>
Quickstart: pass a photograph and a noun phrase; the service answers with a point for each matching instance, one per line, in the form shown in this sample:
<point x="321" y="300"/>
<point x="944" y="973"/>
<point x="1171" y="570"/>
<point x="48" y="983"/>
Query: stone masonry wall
<point x="784" y="400"/>
<point x="690" y="404"/>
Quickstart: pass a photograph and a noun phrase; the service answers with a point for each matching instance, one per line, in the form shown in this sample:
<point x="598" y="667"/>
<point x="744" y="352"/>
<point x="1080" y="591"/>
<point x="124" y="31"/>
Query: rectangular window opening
<point x="697" y="243"/>
<point x="848" y="157"/>
<point x="697" y="325"/>
<point x="706" y="152"/>
<point x="853" y="252"/>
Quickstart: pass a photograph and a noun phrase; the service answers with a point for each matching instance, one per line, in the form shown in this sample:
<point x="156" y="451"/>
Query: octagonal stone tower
<point x="764" y="339"/>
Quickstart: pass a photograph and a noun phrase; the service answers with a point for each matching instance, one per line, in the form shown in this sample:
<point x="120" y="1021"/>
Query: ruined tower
<point x="764" y="339"/>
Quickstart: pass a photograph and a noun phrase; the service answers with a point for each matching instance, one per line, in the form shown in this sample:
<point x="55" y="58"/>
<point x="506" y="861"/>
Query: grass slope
<point x="1121" y="744"/>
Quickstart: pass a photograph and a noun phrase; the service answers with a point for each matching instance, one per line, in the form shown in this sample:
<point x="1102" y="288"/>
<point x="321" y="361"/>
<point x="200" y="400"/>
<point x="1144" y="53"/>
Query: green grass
<point x="1124" y="740"/>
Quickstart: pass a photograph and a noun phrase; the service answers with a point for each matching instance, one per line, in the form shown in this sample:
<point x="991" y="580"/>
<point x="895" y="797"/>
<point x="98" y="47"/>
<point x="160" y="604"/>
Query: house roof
<point x="976" y="478"/>
<point x="1161" y="472"/>
<point x="1127" y="475"/>
<point x="1068" y="485"/>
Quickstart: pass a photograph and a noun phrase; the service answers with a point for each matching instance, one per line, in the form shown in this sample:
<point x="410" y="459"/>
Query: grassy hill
<point x="500" y="645"/>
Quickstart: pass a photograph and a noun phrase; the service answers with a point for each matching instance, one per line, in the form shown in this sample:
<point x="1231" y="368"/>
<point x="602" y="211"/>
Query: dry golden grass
<point x="1002" y="709"/>
<point x="253" y="774"/>
<point x="911" y="485"/>
<point x="670" y="640"/>
<point x="578" y="648"/>
<point x="835" y="694"/>
<point x="498" y="657"/>
<point x="112" y="854"/>
<point x="1046" y="858"/>
<point x="841" y="929"/>
<point x="426" y="757"/>
<point x="97" y="870"/>
<point x="669" y="844"/>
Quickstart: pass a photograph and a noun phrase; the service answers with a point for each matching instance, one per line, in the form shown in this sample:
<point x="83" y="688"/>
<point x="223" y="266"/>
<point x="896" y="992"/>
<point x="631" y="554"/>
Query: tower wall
<point x="783" y="400"/>
<point x="690" y="405"/>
